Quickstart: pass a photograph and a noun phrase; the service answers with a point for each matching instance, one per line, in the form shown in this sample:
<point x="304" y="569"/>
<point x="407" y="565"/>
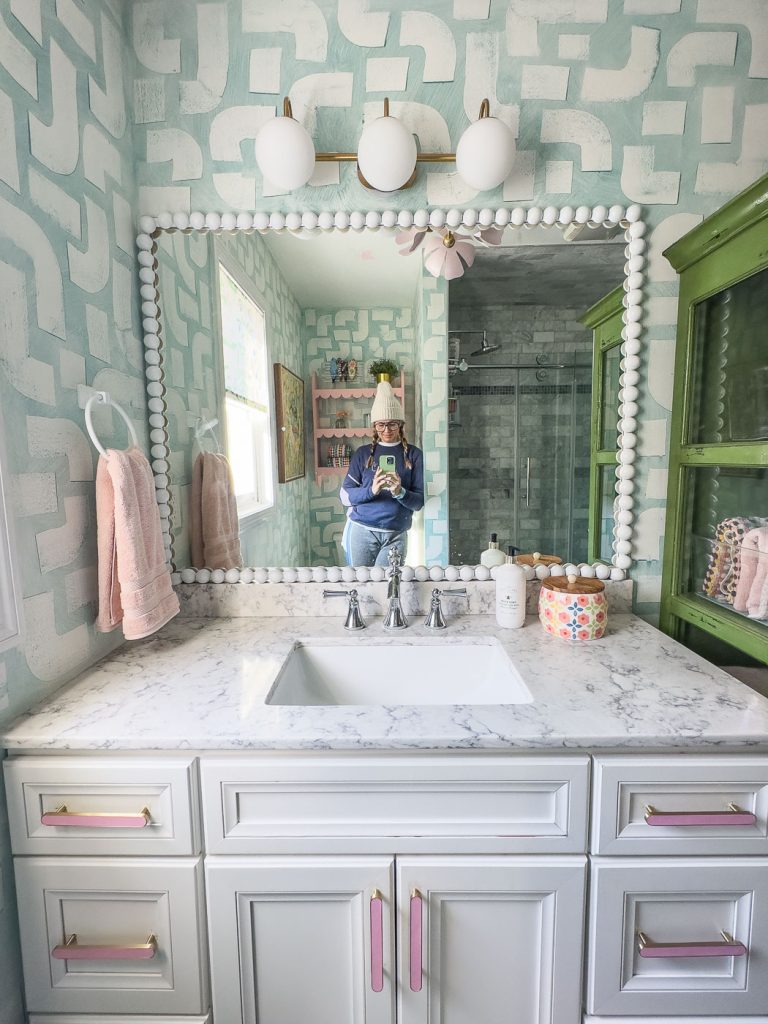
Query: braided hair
<point x="403" y="442"/>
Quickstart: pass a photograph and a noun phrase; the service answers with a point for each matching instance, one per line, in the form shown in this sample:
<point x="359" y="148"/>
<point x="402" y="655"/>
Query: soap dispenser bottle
<point x="492" y="555"/>
<point x="510" y="592"/>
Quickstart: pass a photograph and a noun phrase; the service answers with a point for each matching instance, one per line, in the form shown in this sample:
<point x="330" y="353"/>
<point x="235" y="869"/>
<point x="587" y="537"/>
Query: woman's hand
<point x="380" y="481"/>
<point x="395" y="484"/>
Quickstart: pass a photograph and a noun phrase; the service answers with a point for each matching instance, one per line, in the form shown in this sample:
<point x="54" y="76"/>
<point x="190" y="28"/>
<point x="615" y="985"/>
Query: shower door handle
<point x="528" y="481"/>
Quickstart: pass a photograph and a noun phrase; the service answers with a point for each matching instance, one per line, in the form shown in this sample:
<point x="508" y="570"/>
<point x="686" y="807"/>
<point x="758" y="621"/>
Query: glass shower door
<point x="553" y="415"/>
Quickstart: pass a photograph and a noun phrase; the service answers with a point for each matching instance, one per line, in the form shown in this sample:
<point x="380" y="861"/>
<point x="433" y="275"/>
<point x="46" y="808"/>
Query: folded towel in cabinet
<point x="134" y="580"/>
<point x="214" y="530"/>
<point x="752" y="591"/>
<point x="724" y="566"/>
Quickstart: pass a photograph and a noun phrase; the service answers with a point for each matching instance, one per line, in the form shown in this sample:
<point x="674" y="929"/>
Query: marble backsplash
<point x="305" y="599"/>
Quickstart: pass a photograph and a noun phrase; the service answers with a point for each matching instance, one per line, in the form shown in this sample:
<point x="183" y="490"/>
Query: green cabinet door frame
<point x="604" y="319"/>
<point x="727" y="248"/>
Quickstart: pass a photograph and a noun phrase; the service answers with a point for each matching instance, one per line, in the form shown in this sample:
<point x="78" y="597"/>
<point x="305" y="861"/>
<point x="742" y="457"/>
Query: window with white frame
<point x="247" y="396"/>
<point x="10" y="611"/>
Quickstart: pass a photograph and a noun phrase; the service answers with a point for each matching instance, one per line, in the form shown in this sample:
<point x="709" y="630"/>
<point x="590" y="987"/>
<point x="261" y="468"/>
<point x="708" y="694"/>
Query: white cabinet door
<point x="490" y="940"/>
<point x="301" y="939"/>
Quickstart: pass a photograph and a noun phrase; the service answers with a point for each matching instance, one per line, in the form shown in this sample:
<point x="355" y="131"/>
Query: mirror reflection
<point x="328" y="399"/>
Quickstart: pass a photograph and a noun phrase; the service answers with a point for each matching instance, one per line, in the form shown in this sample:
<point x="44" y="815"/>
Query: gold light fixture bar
<point x="442" y="158"/>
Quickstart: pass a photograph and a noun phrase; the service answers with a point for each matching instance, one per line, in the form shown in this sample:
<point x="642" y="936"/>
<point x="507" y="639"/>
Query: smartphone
<point x="387" y="463"/>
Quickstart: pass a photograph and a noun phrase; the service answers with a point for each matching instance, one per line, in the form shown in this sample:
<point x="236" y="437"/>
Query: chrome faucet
<point x="354" y="619"/>
<point x="395" y="618"/>
<point x="435" y="618"/>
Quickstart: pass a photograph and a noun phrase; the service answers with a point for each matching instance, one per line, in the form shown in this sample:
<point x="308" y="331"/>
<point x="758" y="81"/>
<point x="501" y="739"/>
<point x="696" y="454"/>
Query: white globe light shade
<point x="485" y="154"/>
<point x="386" y="154"/>
<point x="285" y="153"/>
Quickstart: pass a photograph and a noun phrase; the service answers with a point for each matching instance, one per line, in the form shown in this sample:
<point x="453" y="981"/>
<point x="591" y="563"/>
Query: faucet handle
<point x="435" y="618"/>
<point x="354" y="618"/>
<point x="394" y="557"/>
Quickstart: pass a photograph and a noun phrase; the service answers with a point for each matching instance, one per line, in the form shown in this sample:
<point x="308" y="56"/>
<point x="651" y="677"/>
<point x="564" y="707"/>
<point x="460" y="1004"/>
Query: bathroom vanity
<point x="594" y="851"/>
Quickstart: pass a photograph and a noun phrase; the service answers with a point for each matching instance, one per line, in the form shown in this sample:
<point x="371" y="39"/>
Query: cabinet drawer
<point x="666" y="1020"/>
<point x="512" y="804"/>
<point x="131" y="1018"/>
<point x="112" y="908"/>
<point x="678" y="936"/>
<point x="680" y="805"/>
<point x="97" y="805"/>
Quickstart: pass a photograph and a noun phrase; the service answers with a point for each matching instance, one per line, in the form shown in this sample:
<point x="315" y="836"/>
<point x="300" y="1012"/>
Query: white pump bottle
<point x="510" y="593"/>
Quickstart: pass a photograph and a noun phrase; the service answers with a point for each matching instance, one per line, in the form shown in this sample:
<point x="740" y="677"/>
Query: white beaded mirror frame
<point x="630" y="218"/>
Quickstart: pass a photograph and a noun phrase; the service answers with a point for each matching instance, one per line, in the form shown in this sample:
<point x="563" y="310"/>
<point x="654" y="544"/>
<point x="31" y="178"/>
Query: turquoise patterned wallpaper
<point x="68" y="316"/>
<point x="193" y="376"/>
<point x="660" y="102"/>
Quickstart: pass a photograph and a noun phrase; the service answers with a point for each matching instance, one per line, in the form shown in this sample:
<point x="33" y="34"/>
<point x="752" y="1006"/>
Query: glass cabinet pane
<point x="609" y="398"/>
<point x="725" y="555"/>
<point x="730" y="365"/>
<point x="605" y="499"/>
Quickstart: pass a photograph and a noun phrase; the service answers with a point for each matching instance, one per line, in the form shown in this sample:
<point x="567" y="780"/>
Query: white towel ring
<point x="103" y="396"/>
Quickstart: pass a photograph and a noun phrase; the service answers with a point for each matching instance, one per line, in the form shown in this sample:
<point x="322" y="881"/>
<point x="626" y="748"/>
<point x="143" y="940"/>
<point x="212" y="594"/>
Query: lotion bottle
<point x="492" y="555"/>
<point x="510" y="593"/>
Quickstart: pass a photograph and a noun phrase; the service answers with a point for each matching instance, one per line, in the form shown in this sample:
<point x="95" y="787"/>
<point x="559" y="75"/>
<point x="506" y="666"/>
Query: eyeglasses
<point x="387" y="425"/>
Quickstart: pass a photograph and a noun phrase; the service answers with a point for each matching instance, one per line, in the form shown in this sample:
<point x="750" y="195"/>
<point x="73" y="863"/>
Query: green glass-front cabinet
<point x="604" y="319"/>
<point x="716" y="550"/>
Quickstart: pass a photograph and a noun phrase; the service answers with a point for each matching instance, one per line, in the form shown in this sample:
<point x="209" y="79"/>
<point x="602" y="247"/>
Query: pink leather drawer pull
<point x="732" y="816"/>
<point x="663" y="950"/>
<point x="415" y="968"/>
<point x="95" y="819"/>
<point x="73" y="950"/>
<point x="377" y="942"/>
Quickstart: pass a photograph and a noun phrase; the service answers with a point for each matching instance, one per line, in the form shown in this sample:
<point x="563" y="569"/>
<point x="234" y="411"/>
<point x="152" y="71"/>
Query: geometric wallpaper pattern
<point x="111" y="107"/>
<point x="68" y="316"/>
<point x="659" y="102"/>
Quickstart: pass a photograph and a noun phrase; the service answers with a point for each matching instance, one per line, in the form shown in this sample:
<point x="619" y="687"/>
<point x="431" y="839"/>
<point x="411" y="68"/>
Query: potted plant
<point x="383" y="369"/>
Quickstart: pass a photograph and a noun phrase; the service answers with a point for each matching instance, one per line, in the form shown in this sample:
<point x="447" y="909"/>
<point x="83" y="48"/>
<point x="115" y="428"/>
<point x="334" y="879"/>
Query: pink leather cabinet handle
<point x="73" y="950"/>
<point x="377" y="941"/>
<point x="415" y="970"/>
<point x="668" y="950"/>
<point x="732" y="816"/>
<point x="89" y="819"/>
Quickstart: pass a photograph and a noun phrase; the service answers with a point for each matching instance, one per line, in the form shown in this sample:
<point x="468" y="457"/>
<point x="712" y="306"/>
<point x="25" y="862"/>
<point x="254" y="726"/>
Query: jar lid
<point x="536" y="558"/>
<point x="573" y="584"/>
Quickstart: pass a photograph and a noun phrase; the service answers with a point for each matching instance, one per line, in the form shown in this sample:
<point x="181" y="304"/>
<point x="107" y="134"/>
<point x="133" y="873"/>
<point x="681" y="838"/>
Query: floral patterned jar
<point x="573" y="608"/>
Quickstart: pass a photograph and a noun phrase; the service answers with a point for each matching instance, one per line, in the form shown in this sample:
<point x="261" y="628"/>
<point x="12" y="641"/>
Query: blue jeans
<point x="371" y="547"/>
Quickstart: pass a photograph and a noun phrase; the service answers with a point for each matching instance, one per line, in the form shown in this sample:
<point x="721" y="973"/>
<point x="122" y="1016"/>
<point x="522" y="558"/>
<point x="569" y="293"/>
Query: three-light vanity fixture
<point x="386" y="154"/>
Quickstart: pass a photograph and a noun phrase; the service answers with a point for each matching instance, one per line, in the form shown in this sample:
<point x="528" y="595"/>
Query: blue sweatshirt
<point x="381" y="511"/>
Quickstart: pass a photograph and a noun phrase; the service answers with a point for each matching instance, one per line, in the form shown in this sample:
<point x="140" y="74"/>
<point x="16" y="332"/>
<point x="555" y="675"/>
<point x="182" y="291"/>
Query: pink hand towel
<point x="752" y="591"/>
<point x="134" y="581"/>
<point x="214" y="526"/>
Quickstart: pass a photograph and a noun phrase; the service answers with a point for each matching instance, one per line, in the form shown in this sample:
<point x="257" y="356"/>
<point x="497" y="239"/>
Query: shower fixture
<point x="485" y="348"/>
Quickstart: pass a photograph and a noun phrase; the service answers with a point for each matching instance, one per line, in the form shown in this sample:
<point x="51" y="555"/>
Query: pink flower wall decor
<point x="447" y="253"/>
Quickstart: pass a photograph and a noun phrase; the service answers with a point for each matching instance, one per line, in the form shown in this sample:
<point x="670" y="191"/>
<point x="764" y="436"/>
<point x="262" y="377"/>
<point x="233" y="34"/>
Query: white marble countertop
<point x="200" y="684"/>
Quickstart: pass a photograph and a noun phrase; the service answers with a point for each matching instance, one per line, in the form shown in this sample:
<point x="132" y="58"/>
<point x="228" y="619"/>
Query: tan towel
<point x="134" y="581"/>
<point x="213" y="525"/>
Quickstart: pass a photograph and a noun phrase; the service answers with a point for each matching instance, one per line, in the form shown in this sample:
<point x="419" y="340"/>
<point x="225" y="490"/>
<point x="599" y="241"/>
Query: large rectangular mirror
<point x="265" y="343"/>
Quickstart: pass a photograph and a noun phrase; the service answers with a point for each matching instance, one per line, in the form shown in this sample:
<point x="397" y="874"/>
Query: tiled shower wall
<point x="487" y="458"/>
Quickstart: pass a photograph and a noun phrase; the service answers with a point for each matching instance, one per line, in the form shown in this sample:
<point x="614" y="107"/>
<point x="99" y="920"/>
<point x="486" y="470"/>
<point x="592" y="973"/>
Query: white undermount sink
<point x="397" y="672"/>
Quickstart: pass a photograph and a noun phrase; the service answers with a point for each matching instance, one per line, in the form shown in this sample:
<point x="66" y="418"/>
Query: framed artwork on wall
<point x="289" y="420"/>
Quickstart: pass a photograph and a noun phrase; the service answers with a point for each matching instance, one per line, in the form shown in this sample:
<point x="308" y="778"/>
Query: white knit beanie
<point x="386" y="405"/>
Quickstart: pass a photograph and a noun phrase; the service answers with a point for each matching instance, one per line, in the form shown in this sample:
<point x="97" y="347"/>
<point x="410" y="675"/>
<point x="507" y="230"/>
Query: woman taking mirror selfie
<point x="383" y="487"/>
